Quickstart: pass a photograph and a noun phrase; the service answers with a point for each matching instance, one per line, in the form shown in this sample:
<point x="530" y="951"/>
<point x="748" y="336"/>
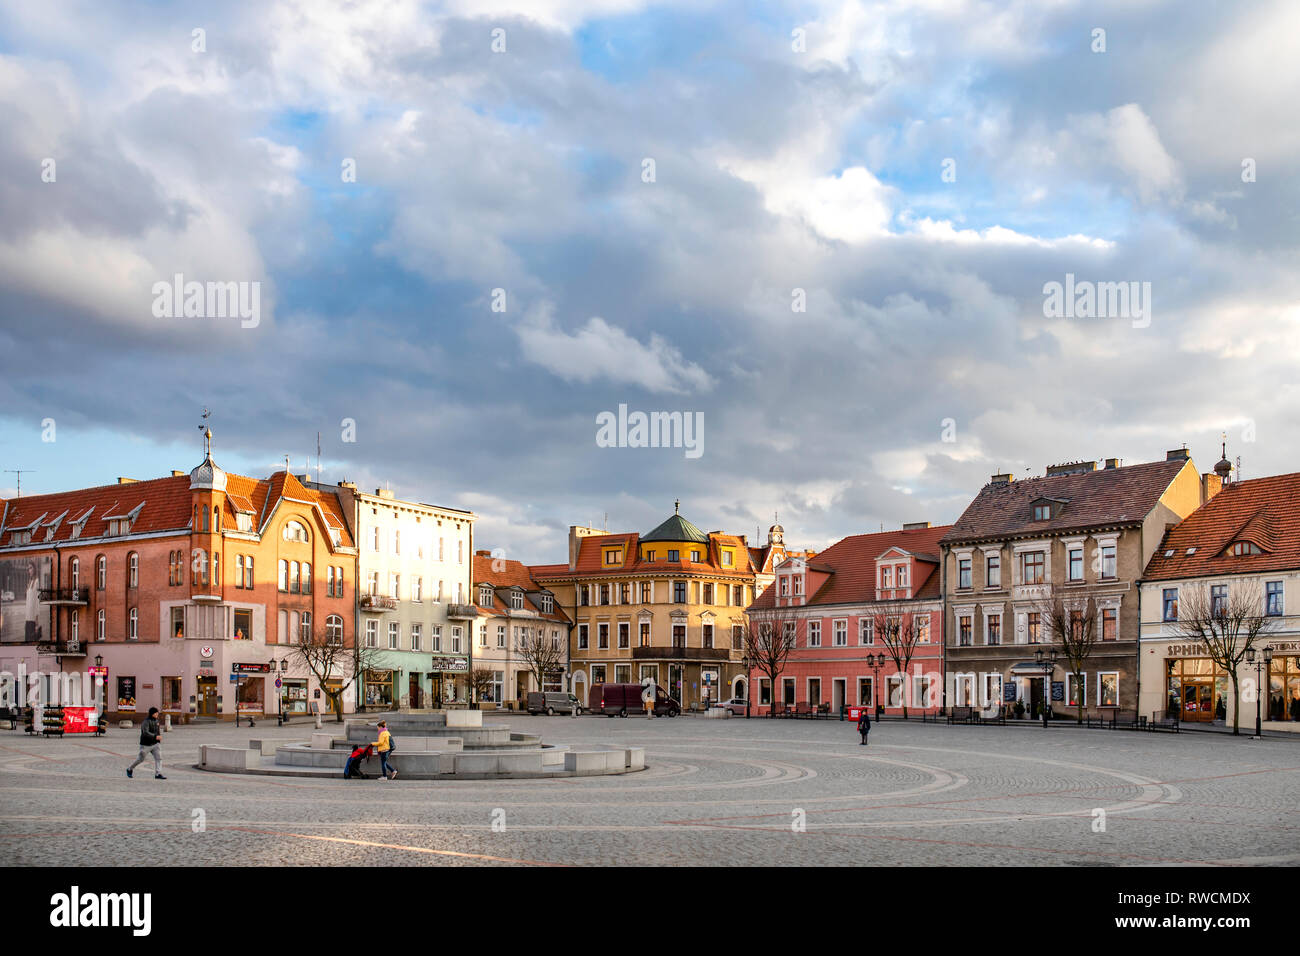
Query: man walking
<point x="149" y="733"/>
<point x="864" y="725"/>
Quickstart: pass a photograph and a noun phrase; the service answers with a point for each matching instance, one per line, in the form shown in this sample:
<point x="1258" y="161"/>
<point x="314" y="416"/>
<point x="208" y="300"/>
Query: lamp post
<point x="875" y="662"/>
<point x="1048" y="663"/>
<point x="103" y="684"/>
<point x="1260" y="661"/>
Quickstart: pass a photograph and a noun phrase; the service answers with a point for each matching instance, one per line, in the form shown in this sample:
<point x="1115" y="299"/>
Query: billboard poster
<point x="23" y="618"/>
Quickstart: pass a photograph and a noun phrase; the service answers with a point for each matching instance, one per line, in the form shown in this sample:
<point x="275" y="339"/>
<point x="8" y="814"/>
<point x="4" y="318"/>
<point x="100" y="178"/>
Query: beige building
<point x="668" y="606"/>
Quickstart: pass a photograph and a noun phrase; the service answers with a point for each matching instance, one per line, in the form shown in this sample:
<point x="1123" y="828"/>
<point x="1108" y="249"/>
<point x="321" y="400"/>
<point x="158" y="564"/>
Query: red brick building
<point x="840" y="604"/>
<point x="178" y="584"/>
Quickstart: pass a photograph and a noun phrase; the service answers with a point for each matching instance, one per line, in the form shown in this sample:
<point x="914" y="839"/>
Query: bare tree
<point x="544" y="656"/>
<point x="769" y="639"/>
<point x="1072" y="624"/>
<point x="895" y="625"/>
<point x="1228" y="619"/>
<point x="334" y="660"/>
<point x="481" y="681"/>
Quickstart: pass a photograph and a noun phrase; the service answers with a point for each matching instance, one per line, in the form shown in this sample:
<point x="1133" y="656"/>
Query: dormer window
<point x="674" y="555"/>
<point x="294" y="531"/>
<point x="1042" y="512"/>
<point x="649" y="555"/>
<point x="613" y="556"/>
<point x="902" y="575"/>
<point x="21" y="537"/>
<point x="887" y="576"/>
<point x="695" y="556"/>
<point x="1242" y="548"/>
<point x="243" y="522"/>
<point x="517" y="600"/>
<point x="485" y="597"/>
<point x="548" y="603"/>
<point x="785" y="587"/>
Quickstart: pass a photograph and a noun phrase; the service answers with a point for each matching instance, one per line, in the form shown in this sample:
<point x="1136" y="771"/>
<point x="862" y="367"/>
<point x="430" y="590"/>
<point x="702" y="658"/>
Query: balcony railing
<point x="378" y="602"/>
<point x="64" y="595"/>
<point x="681" y="653"/>
<point x="63" y="648"/>
<point x="462" y="610"/>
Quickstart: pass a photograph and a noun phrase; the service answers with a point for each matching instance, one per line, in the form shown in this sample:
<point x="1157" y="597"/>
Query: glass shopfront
<point x="1284" y="688"/>
<point x="1198" y="689"/>
<point x="379" y="688"/>
<point x="251" y="694"/>
<point x="294" y="696"/>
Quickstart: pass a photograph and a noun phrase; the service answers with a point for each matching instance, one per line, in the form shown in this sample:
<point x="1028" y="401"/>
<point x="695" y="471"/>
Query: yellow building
<point x="668" y="605"/>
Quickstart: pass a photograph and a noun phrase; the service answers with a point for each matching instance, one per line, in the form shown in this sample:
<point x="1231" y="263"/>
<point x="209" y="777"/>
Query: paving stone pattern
<point x="726" y="792"/>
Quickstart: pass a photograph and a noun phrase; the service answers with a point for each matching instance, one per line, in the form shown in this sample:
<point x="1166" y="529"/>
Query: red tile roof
<point x="1113" y="496"/>
<point x="164" y="505"/>
<point x="591" y="558"/>
<point x="508" y="574"/>
<point x="852" y="565"/>
<point x="1263" y="511"/>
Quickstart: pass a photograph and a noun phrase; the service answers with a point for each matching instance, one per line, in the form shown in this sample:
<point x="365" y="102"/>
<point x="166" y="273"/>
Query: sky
<point x="825" y="229"/>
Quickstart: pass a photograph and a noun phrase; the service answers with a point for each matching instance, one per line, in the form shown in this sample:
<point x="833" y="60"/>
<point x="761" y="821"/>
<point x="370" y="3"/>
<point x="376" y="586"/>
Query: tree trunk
<point x="1236" y="702"/>
<point x="1078" y="680"/>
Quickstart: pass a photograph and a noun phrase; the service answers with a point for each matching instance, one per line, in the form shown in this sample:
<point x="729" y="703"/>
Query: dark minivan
<point x="624" y="699"/>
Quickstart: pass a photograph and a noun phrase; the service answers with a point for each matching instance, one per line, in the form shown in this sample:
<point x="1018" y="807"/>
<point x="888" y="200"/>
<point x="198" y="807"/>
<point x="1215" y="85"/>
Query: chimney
<point x="1211" y="485"/>
<point x="576" y="533"/>
<point x="1112" y="463"/>
<point x="349" y="485"/>
<point x="1071" y="468"/>
<point x="126" y="481"/>
<point x="177" y="474"/>
<point x="305" y="479"/>
<point x="482" y="554"/>
<point x="384" y="493"/>
<point x="1177" y="454"/>
<point x="1001" y="479"/>
<point x="916" y="525"/>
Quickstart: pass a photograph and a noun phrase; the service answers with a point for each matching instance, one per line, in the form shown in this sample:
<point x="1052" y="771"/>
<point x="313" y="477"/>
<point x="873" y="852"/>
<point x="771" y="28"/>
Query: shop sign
<point x="1009" y="693"/>
<point x="98" y="671"/>
<point x="205" y="651"/>
<point x="206" y="664"/>
<point x="250" y="668"/>
<point x="1058" y="690"/>
<point x="1188" y="650"/>
<point x="452" y="665"/>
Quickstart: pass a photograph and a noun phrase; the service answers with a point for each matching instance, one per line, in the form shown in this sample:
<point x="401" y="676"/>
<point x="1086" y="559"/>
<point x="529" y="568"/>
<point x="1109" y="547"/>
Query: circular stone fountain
<point x="453" y="745"/>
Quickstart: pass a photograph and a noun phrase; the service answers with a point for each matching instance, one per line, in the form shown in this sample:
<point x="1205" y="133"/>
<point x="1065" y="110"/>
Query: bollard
<point x="167" y="722"/>
<point x="318" y="724"/>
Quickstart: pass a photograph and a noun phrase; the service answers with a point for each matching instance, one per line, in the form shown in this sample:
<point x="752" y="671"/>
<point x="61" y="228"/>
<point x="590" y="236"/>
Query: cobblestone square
<point x="716" y="792"/>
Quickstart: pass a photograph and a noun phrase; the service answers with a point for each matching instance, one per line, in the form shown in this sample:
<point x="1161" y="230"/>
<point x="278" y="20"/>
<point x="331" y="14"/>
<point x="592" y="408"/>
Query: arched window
<point x="101" y="572"/>
<point x="133" y="570"/>
<point x="294" y="582"/>
<point x="284" y="575"/>
<point x="133" y="620"/>
<point x="205" y="519"/>
<point x="216" y="519"/>
<point x="304" y="627"/>
<point x="294" y="531"/>
<point x="200" y="566"/>
<point x="306" y="578"/>
<point x="74" y="571"/>
<point x="99" y="626"/>
<point x="216" y="569"/>
<point x="334" y="629"/>
<point x="76" y="624"/>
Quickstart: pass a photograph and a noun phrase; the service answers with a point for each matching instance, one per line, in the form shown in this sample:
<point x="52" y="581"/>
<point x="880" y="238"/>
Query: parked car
<point x="623" y="699"/>
<point x="736" y="705"/>
<point x="552" y="703"/>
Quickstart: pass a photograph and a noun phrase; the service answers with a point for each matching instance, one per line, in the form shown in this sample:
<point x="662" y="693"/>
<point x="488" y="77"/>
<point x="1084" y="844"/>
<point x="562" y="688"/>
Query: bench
<point x="823" y="710"/>
<point x="991" y="715"/>
<point x="1163" y="721"/>
<point x="779" y="710"/>
<point x="802" y="709"/>
<point x="959" y="715"/>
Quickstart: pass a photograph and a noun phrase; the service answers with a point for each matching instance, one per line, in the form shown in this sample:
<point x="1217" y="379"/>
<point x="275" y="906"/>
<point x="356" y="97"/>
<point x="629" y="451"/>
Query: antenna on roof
<point x="606" y="522"/>
<point x="318" y="458"/>
<point x="286" y="464"/>
<point x="1239" y="468"/>
<point x="20" y="472"/>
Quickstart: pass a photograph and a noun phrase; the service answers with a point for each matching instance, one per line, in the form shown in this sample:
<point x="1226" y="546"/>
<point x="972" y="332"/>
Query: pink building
<point x="857" y="610"/>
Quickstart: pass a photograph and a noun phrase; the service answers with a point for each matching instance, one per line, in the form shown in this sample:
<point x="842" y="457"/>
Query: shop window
<point x="1076" y="690"/>
<point x="1108" y="689"/>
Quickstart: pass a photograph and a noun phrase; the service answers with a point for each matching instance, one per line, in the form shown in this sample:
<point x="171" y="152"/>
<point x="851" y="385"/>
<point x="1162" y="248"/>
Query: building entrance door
<point x="207" y="697"/>
<point x="1036" y="697"/>
<point x="414" y="695"/>
<point x="1198" y="699"/>
<point x="675" y="675"/>
<point x="837" y="695"/>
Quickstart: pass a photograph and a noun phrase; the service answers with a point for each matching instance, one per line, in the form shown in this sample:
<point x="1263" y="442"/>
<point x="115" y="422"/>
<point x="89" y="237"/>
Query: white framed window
<point x="993" y="570"/>
<point x="455" y="639"/>
<point x="992" y="689"/>
<point x="133" y="625"/>
<point x="1108" y="688"/>
<point x="133" y="570"/>
<point x="582" y="636"/>
<point x="394" y="586"/>
<point x="501" y="635"/>
<point x="397" y="541"/>
<point x="840" y="633"/>
<point x="1076" y="688"/>
<point x="415" y="637"/>
<point x="894" y="690"/>
<point x="435" y="638"/>
<point x="374" y="539"/>
<point x="482" y="636"/>
<point x="101" y="572"/>
<point x="417" y="590"/>
<point x="814" y="633"/>
<point x="76" y="622"/>
<point x="394" y="635"/>
<point x="334" y="629"/>
<point x="99" y="626"/>
<point x="866" y="633"/>
<point x="372" y="633"/>
<point x="484" y="597"/>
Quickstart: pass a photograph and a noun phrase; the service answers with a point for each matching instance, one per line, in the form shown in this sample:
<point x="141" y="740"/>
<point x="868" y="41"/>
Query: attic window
<point x="548" y="604"/>
<point x="21" y="537"/>
<point x="1245" y="547"/>
<point x="1042" y="512"/>
<point x="1191" y="551"/>
<point x="613" y="556"/>
<point x="1169" y="553"/>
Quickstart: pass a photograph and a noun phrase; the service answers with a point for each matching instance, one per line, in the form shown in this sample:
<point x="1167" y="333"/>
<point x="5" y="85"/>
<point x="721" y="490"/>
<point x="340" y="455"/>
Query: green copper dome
<point x="676" y="528"/>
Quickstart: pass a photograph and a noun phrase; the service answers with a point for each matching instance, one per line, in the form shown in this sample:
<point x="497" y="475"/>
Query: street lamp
<point x="1047" y="661"/>
<point x="875" y="662"/>
<point x="1260" y="661"/>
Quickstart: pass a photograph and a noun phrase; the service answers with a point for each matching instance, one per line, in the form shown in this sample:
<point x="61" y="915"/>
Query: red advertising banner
<point x="79" y="720"/>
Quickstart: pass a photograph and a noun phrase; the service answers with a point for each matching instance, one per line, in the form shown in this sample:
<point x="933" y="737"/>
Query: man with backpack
<point x="149" y="734"/>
